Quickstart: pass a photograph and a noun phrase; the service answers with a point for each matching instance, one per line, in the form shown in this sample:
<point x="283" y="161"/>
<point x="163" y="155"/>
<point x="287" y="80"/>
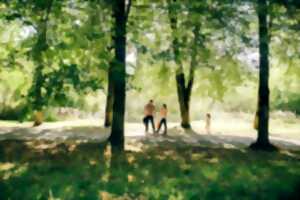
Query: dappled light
<point x="73" y="160"/>
<point x="90" y="171"/>
<point x="143" y="99"/>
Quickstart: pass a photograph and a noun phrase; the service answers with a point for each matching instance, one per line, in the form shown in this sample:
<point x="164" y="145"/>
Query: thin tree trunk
<point x="109" y="101"/>
<point x="38" y="80"/>
<point x="37" y="98"/>
<point x="183" y="93"/>
<point x="185" y="123"/>
<point x="184" y="90"/>
<point x="263" y="91"/>
<point x="118" y="75"/>
<point x="184" y="100"/>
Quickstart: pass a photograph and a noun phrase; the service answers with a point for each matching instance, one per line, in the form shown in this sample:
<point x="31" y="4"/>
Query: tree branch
<point x="128" y="7"/>
<point x="48" y="10"/>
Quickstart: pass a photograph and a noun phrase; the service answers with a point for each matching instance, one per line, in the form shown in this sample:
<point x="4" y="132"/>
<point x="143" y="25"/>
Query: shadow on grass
<point x="181" y="136"/>
<point x="74" y="170"/>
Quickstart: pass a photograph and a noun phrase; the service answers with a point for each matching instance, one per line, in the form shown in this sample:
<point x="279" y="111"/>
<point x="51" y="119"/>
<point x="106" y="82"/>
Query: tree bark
<point x="184" y="88"/>
<point x="118" y="75"/>
<point x="263" y="91"/>
<point x="184" y="101"/>
<point x="38" y="80"/>
<point x="109" y="101"/>
<point x="183" y="93"/>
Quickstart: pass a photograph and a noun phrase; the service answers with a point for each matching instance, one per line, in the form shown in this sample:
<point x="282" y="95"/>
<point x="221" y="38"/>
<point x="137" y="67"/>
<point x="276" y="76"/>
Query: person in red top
<point x="149" y="111"/>
<point x="163" y="119"/>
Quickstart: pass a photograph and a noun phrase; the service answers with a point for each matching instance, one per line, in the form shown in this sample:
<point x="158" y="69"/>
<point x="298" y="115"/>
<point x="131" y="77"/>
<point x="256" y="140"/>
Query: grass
<point x="48" y="170"/>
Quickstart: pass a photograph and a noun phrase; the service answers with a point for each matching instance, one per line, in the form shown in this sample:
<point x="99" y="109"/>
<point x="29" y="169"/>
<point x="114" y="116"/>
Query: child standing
<point x="207" y="123"/>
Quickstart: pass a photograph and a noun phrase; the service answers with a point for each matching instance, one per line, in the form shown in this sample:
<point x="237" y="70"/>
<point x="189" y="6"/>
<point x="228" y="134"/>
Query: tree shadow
<point x="67" y="169"/>
<point x="192" y="137"/>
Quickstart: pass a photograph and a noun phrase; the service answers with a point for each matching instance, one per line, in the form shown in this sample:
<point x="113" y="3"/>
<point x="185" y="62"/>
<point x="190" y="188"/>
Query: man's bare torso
<point x="149" y="109"/>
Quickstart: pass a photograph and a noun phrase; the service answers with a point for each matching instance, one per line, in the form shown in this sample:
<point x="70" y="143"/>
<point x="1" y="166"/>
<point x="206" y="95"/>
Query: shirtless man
<point x="149" y="111"/>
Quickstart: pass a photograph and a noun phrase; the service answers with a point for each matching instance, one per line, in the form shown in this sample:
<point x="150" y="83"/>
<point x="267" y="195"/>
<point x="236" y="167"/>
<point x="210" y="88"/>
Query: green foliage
<point x="291" y="105"/>
<point x="70" y="54"/>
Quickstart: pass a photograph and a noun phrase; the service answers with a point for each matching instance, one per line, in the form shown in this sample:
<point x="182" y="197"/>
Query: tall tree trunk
<point x="183" y="93"/>
<point x="109" y="101"/>
<point x="184" y="88"/>
<point x="118" y="74"/>
<point x="263" y="91"/>
<point x="185" y="119"/>
<point x="38" y="79"/>
<point x="37" y="98"/>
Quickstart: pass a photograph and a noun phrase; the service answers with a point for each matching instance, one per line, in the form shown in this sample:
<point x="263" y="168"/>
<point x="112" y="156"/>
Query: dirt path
<point x="86" y="131"/>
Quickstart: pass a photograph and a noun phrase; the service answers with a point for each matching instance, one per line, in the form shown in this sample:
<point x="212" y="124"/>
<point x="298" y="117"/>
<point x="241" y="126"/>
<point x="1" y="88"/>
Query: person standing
<point x="163" y="119"/>
<point x="207" y="123"/>
<point x="149" y="111"/>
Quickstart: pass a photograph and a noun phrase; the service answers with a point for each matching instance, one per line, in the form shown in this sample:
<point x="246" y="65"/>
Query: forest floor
<point x="70" y="160"/>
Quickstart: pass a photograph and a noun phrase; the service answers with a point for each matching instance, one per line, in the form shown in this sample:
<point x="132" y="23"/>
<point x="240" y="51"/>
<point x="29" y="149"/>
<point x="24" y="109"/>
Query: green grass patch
<point x="47" y="170"/>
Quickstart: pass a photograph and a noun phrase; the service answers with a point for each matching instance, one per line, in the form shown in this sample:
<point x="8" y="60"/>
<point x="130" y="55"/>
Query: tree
<point x="183" y="91"/>
<point x="57" y="47"/>
<point x="118" y="73"/>
<point x="37" y="53"/>
<point x="263" y="12"/>
<point x="193" y="22"/>
<point x="263" y="90"/>
<point x="109" y="99"/>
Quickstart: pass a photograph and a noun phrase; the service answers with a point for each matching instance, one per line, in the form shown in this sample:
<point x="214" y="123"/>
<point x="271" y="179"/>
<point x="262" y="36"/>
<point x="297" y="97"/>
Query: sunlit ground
<point x="224" y="125"/>
<point x="69" y="160"/>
